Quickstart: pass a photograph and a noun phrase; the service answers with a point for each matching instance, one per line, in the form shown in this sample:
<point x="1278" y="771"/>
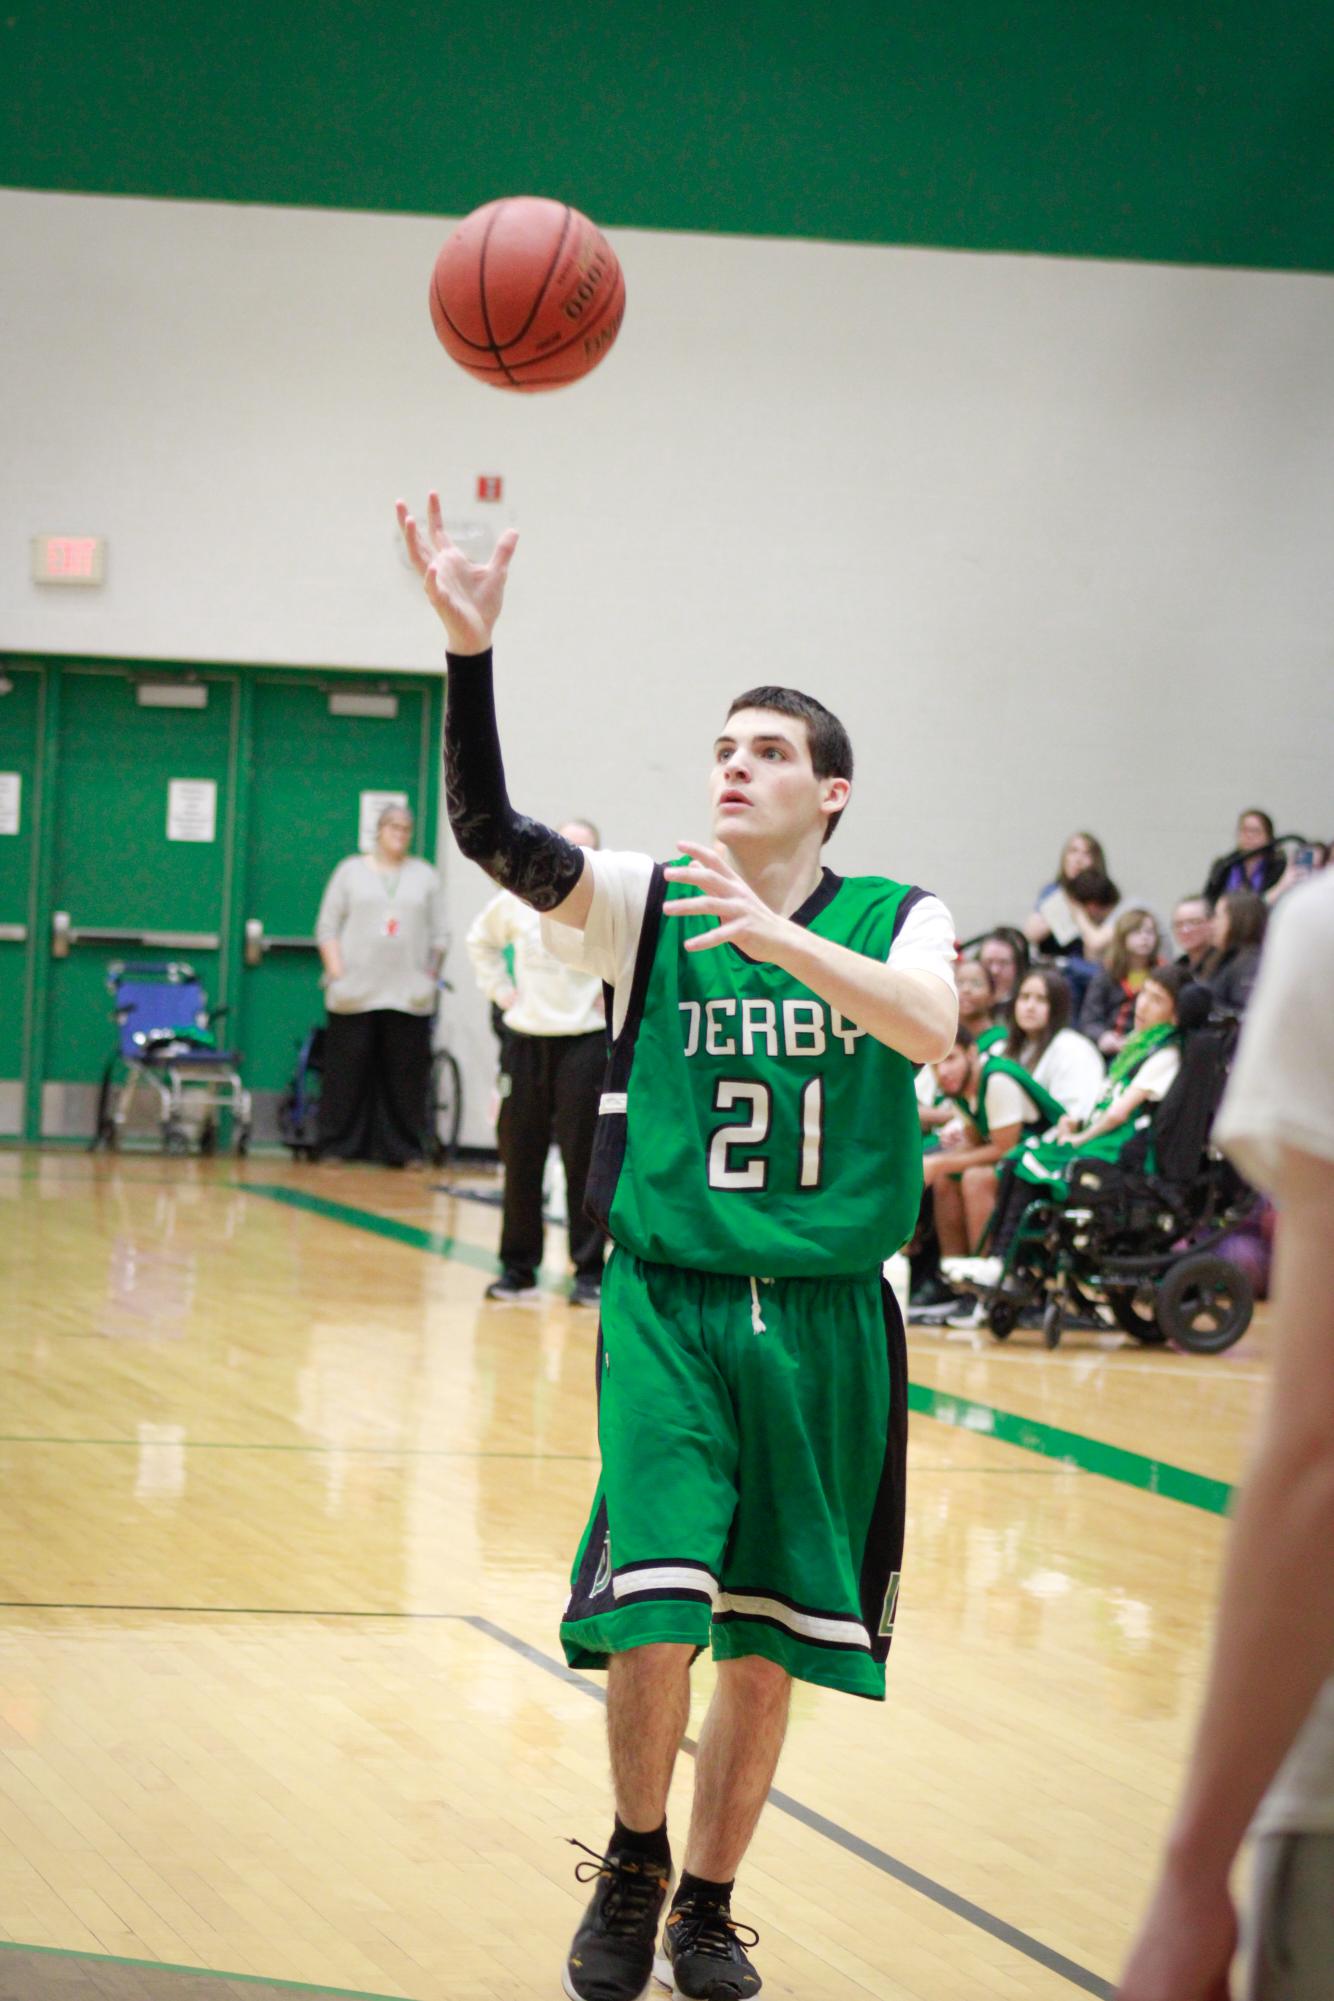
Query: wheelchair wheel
<point x="1204" y="1304"/>
<point x="1002" y="1318"/>
<point x="1051" y="1324"/>
<point x="444" y="1111"/>
<point x="1134" y="1311"/>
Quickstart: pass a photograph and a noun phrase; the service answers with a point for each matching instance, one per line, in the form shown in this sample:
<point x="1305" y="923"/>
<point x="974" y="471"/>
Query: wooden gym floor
<point x="286" y="1515"/>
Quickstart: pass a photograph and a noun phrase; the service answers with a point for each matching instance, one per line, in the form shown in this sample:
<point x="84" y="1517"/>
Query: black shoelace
<point x="635" y="1894"/>
<point x="711" y="1929"/>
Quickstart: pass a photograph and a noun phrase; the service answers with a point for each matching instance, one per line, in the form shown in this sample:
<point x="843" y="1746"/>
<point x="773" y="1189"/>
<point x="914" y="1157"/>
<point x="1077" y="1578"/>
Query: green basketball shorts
<point x="754" y="1437"/>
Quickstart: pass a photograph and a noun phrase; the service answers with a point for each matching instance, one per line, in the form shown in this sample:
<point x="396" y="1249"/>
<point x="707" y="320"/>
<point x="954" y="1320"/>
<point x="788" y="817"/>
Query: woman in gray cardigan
<point x="381" y="936"/>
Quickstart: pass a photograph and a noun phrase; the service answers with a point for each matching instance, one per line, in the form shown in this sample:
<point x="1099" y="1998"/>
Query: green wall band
<point x="1190" y="134"/>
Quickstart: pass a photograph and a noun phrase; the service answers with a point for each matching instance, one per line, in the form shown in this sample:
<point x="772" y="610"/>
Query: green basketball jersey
<point x="747" y="1126"/>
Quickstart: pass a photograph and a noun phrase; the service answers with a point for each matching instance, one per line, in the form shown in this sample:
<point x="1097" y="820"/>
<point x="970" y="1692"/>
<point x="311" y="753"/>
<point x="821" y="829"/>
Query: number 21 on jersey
<point x="732" y="1093"/>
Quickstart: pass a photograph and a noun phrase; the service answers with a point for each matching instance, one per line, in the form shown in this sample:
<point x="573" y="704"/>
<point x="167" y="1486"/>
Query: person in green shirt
<point x="757" y="1160"/>
<point x="1138" y="1080"/>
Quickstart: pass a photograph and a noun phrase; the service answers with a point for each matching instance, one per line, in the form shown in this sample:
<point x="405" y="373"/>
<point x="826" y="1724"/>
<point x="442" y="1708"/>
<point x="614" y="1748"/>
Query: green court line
<point x="1030" y="1434"/>
<point x="433" y="1241"/>
<point x="1072" y="1448"/>
<point x="200" y="1972"/>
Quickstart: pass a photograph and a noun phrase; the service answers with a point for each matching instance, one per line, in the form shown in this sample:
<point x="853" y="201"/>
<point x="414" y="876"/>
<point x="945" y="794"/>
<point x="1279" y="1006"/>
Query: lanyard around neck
<point x="390" y="884"/>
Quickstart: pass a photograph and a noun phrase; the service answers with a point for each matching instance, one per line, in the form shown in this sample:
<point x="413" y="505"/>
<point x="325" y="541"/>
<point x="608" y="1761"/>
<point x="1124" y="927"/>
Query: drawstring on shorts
<point x="756" y="1316"/>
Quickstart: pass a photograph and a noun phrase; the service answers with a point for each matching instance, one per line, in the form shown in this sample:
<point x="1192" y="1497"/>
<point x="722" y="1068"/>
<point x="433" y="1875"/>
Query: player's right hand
<point x="467" y="597"/>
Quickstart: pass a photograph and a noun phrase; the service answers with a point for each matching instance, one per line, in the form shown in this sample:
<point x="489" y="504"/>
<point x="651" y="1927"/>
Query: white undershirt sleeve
<point x="609" y="941"/>
<point x="926" y="942"/>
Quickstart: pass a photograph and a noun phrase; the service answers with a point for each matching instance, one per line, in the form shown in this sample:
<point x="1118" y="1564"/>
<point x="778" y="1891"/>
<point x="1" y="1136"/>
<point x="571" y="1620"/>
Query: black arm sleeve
<point x="536" y="863"/>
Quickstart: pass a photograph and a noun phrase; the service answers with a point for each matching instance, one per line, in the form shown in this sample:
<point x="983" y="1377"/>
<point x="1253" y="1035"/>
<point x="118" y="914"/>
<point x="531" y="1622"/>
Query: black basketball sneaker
<point x="704" y="1954"/>
<point x="611" y="1958"/>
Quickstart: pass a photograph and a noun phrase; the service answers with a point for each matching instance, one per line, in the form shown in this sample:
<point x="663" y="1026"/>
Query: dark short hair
<point x="963" y="1036"/>
<point x="1093" y="885"/>
<point x="1172" y="979"/>
<point x="1257" y="813"/>
<point x="831" y="749"/>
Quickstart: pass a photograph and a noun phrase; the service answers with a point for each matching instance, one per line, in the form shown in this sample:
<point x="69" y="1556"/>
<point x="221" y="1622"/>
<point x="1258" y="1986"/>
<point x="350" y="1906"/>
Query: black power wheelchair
<point x="1118" y="1240"/>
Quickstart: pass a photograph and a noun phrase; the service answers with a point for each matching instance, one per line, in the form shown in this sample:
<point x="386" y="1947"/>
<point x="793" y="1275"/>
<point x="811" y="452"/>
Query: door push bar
<point x="64" y="934"/>
<point x="13" y="934"/>
<point x="257" y="942"/>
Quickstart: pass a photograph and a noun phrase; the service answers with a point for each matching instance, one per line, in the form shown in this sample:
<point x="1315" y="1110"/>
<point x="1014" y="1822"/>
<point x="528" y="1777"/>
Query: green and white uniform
<point x="1027" y="1101"/>
<point x="1149" y="1062"/>
<point x="757" y="1160"/>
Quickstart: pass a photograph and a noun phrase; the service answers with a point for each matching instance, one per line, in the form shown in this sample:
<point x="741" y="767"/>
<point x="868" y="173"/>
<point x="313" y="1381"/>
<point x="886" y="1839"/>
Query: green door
<point x="312" y="762"/>
<point x="139" y="857"/>
<point x="22" y="699"/>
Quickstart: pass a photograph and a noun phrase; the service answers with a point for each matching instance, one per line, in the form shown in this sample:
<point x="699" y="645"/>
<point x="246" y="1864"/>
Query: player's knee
<point x="760" y="1682"/>
<point x="658" y="1661"/>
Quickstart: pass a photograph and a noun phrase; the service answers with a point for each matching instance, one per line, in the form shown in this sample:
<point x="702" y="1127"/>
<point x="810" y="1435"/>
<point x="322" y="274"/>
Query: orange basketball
<point x="527" y="294"/>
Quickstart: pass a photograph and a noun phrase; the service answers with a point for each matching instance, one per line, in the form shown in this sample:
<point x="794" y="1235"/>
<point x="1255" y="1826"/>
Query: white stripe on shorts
<point x="849" y="1632"/>
<point x="612" y="1101"/>
<point x="662" y="1577"/>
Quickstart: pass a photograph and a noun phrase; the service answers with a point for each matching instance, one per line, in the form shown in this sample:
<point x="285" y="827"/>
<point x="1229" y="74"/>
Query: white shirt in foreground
<point x="610" y="939"/>
<point x="1282" y="1095"/>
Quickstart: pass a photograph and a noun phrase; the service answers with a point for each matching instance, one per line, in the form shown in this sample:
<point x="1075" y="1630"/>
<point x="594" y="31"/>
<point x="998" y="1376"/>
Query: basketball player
<point x="757" y="1159"/>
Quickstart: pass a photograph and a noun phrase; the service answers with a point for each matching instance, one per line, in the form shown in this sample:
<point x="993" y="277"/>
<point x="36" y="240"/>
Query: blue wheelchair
<point x="167" y="1050"/>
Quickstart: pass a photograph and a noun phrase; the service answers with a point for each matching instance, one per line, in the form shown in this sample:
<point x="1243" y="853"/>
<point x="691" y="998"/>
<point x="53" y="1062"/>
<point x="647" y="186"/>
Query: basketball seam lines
<point x="511" y="369"/>
<point x="542" y="290"/>
<point x="491" y="346"/>
<point x="481" y="287"/>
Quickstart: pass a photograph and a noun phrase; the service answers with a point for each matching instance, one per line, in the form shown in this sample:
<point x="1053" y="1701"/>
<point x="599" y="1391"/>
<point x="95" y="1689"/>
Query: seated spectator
<point x="973" y="983"/>
<point x="1137" y="1082"/>
<point x="1094" y="904"/>
<point x="997" y="1104"/>
<point x="1190" y="933"/>
<point x="1236" y="933"/>
<point x="1306" y="859"/>
<point x="1043" y="1043"/>
<point x="1004" y="953"/>
<point x="1091" y="901"/>
<point x="977" y="1004"/>
<point x="1107" y="1015"/>
<point x="1255" y="863"/>
<point x="1052" y="927"/>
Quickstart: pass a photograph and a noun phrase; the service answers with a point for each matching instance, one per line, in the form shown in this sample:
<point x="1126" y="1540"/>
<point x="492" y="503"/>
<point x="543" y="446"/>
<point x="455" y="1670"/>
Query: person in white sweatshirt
<point x="553" y="1053"/>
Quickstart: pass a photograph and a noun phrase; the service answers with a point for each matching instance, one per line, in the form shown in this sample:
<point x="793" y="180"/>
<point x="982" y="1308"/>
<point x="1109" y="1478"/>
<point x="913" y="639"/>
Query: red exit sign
<point x="68" y="559"/>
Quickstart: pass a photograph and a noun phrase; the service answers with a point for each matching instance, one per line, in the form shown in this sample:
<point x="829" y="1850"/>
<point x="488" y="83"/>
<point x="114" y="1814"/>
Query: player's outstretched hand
<point x="466" y="596"/>
<point x="743" y="918"/>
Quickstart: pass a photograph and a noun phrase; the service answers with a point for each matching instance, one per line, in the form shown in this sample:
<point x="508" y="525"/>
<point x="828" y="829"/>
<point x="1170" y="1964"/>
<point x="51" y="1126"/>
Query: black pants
<point x="377" y="1075"/>
<point x="1014" y="1198"/>
<point x="554" y="1082"/>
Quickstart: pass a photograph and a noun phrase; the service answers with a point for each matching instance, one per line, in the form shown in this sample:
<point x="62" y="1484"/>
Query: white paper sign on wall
<point x="192" y="809"/>
<point x="372" y="805"/>
<point x="11" y="800"/>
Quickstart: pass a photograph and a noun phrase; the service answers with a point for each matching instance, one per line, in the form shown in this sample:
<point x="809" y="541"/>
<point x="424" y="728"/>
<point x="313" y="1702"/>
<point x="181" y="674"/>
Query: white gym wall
<point x="1053" y="537"/>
